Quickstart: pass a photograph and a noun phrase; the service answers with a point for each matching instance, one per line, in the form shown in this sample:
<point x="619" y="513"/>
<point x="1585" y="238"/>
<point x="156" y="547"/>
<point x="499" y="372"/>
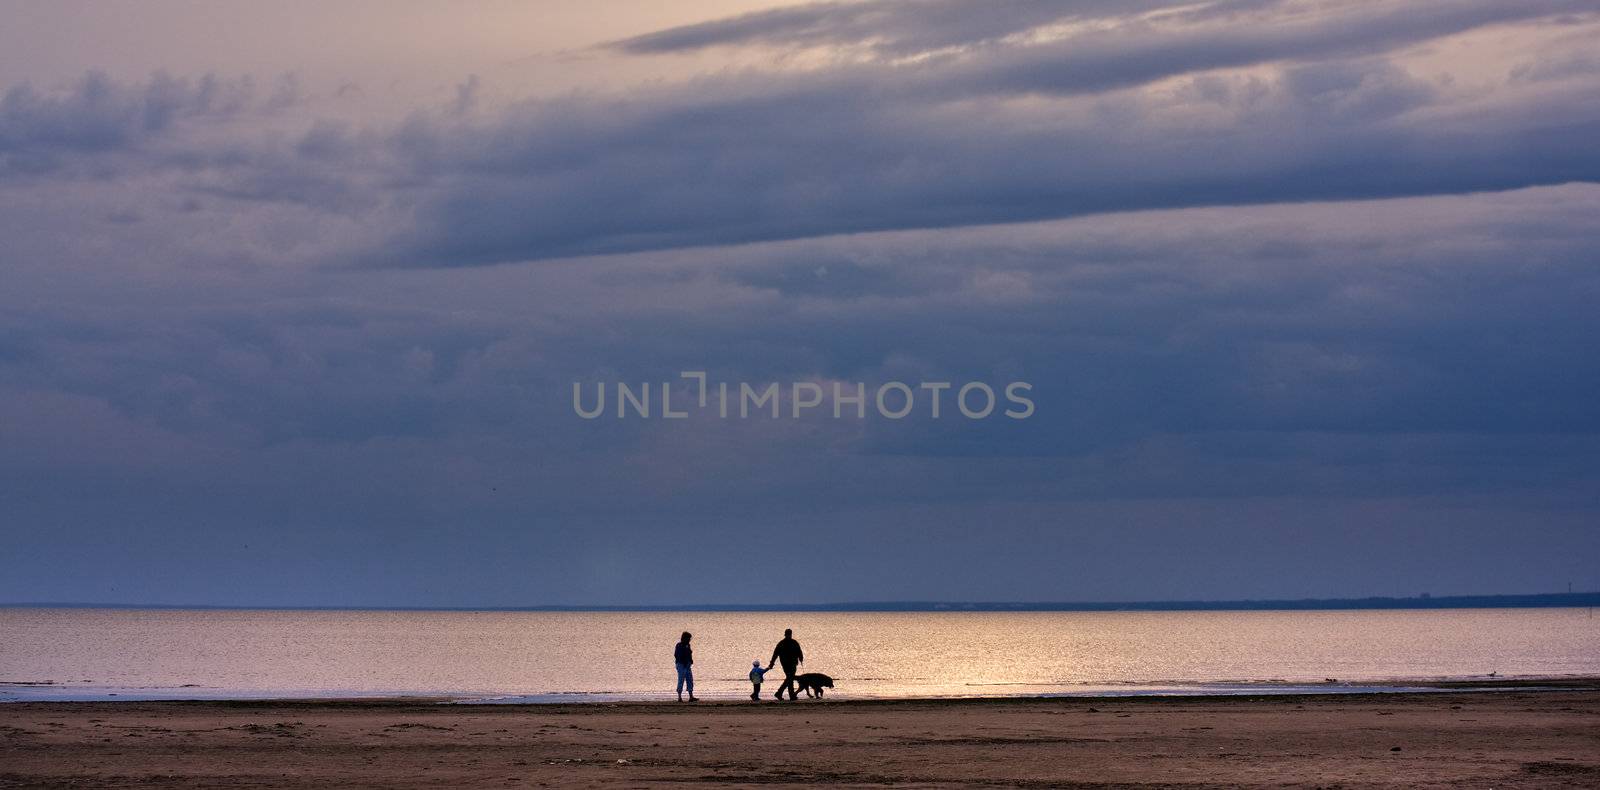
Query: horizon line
<point x="1424" y="601"/>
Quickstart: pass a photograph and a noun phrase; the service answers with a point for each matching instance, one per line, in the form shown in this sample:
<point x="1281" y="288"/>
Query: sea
<point x="540" y="656"/>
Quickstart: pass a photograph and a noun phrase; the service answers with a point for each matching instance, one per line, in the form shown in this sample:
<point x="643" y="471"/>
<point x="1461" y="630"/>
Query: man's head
<point x="787" y="632"/>
<point x="686" y="637"/>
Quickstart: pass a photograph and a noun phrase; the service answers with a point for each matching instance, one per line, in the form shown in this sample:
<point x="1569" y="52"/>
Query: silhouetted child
<point x="756" y="675"/>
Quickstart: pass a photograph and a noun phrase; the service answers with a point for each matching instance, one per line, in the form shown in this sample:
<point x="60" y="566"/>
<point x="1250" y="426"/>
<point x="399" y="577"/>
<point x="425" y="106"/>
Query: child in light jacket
<point x="757" y="673"/>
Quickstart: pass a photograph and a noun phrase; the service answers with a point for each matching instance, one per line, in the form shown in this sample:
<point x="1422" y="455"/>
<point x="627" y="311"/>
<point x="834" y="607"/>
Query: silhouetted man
<point x="788" y="654"/>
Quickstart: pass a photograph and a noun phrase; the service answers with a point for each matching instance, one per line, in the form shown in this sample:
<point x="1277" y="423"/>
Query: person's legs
<point x="789" y="682"/>
<point x="756" y="693"/>
<point x="685" y="681"/>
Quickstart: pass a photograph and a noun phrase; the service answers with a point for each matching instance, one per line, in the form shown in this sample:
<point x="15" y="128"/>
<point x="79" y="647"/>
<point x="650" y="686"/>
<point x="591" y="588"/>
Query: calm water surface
<point x="92" y="654"/>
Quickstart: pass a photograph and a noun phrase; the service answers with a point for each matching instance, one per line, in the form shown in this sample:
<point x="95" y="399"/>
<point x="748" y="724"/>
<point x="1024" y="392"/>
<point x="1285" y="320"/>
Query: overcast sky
<point x="293" y="296"/>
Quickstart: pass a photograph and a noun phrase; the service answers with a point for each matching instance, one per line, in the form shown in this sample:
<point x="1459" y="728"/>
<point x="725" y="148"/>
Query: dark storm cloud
<point x="895" y="26"/>
<point x="1310" y="351"/>
<point x="1131" y="50"/>
<point x="945" y="142"/>
<point x="99" y="115"/>
<point x="1328" y="352"/>
<point x="1325" y="107"/>
<point x="760" y="169"/>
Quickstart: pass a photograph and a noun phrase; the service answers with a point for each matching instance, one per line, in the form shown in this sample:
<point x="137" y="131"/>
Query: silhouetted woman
<point x="683" y="656"/>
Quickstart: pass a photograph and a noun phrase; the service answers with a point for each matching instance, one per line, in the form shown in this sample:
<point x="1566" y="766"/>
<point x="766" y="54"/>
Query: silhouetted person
<point x="683" y="656"/>
<point x="757" y="674"/>
<point x="789" y="654"/>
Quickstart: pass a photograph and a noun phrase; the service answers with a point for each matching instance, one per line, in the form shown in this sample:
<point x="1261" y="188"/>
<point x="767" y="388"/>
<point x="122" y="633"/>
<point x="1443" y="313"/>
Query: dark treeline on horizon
<point x="1540" y="600"/>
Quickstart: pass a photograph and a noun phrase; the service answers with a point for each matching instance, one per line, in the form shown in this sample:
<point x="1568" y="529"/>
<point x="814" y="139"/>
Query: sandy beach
<point x="1474" y="738"/>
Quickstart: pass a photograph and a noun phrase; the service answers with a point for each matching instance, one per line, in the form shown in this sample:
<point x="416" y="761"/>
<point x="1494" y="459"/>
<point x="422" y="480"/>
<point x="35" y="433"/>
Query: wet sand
<point x="1479" y="739"/>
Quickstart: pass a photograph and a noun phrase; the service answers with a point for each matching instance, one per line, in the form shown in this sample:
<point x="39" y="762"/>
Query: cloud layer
<point x="1274" y="269"/>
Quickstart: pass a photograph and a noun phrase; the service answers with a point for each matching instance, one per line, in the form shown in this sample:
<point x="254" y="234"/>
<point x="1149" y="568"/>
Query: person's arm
<point x="774" y="658"/>
<point x="799" y="653"/>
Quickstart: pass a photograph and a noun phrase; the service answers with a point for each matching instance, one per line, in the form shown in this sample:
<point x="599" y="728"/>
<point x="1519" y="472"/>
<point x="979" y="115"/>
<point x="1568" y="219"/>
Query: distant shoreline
<point x="1577" y="600"/>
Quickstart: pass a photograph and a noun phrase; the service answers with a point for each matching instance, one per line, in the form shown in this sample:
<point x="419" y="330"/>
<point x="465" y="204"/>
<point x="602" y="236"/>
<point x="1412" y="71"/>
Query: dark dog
<point x="812" y="681"/>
